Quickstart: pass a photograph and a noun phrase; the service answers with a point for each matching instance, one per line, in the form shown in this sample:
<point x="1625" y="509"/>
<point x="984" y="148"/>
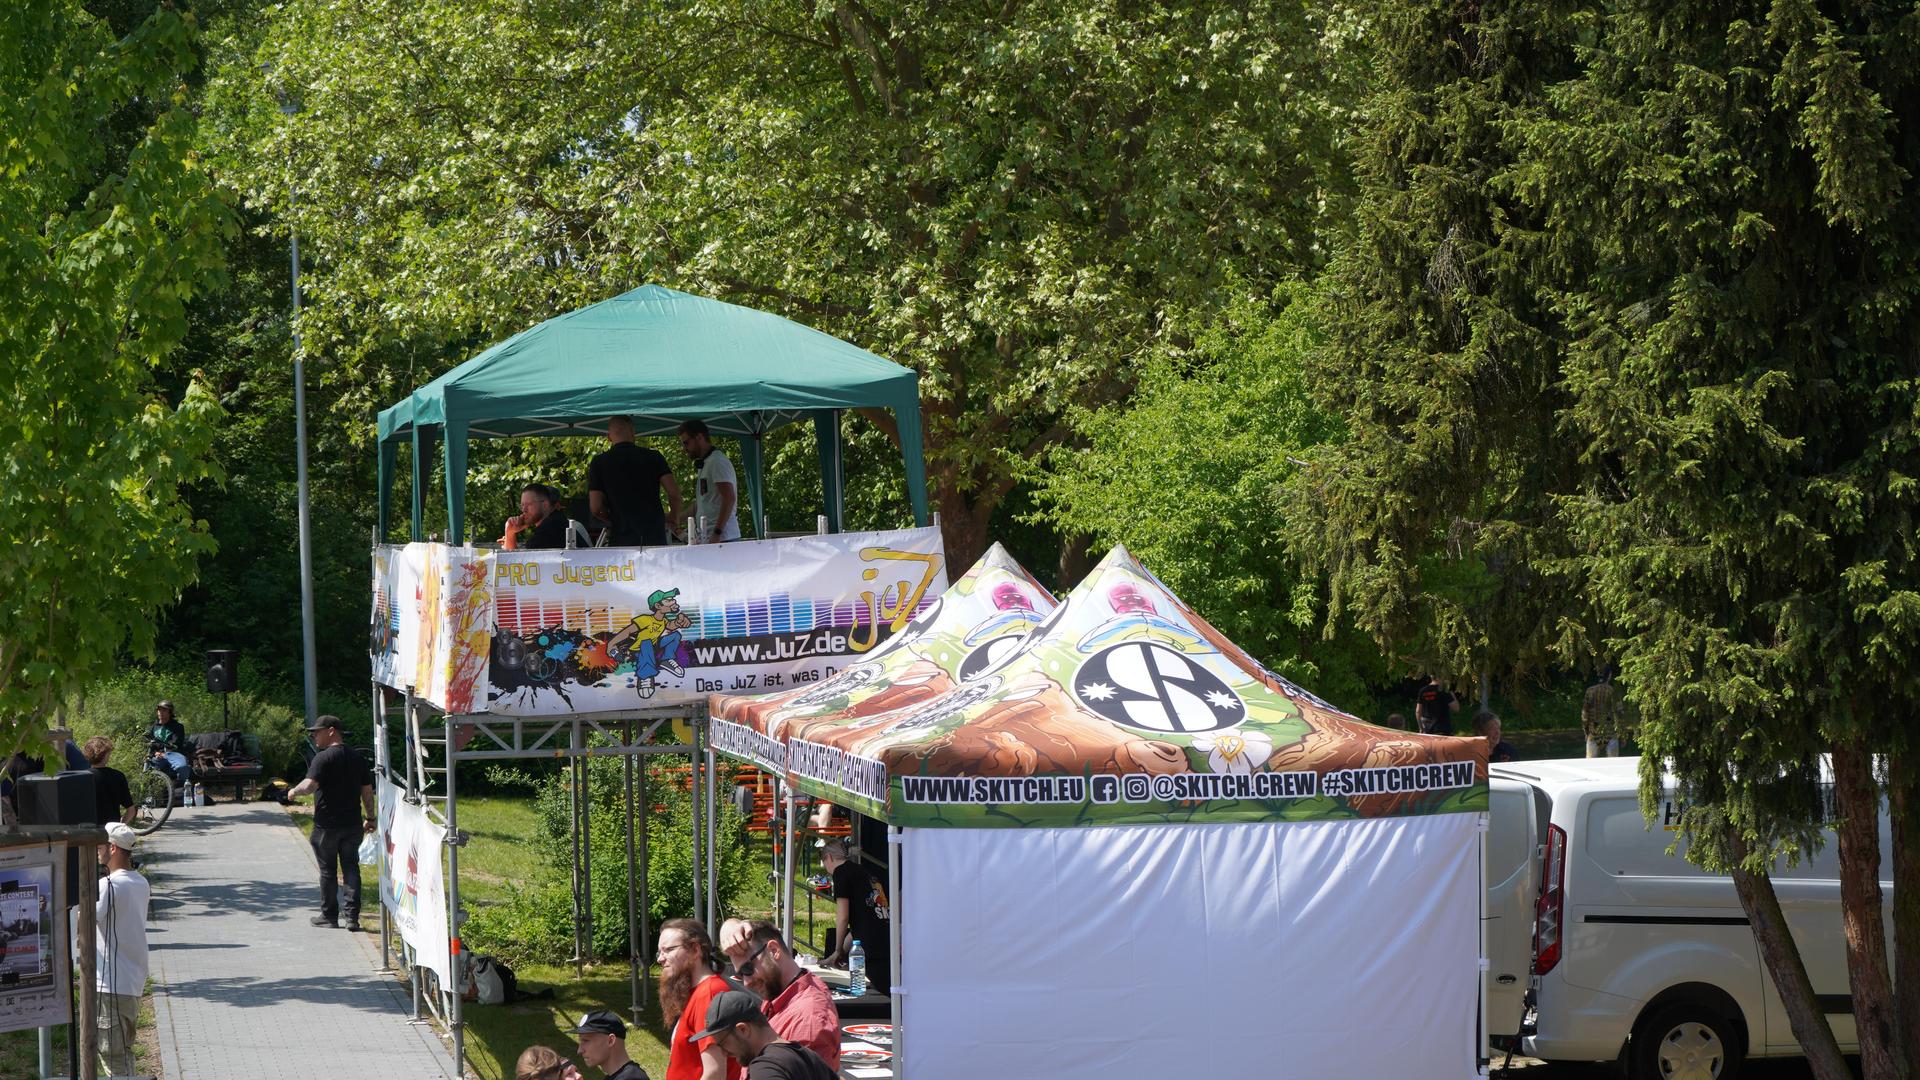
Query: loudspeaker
<point x="223" y="671"/>
<point x="64" y="798"/>
<point x="60" y="799"/>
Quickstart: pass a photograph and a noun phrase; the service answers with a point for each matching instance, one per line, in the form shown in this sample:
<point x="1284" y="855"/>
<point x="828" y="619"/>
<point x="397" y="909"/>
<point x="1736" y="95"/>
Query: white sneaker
<point x="647" y="687"/>
<point x="673" y="668"/>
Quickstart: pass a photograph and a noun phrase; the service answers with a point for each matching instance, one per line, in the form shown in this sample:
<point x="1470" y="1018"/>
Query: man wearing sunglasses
<point x="798" y="1005"/>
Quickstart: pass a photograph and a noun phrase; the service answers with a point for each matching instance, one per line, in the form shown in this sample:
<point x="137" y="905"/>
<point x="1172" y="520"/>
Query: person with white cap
<point x="120" y="948"/>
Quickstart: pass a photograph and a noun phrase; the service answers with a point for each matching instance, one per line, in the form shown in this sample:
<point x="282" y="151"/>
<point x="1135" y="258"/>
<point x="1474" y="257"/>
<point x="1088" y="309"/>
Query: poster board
<point x="34" y="972"/>
<point x="413" y="884"/>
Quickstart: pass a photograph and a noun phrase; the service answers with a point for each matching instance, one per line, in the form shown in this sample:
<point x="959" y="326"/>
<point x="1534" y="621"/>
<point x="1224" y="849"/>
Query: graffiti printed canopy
<point x="661" y="357"/>
<point x="1121" y="705"/>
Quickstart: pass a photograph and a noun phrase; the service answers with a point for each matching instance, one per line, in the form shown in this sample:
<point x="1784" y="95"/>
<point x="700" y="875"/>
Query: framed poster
<point x="34" y="969"/>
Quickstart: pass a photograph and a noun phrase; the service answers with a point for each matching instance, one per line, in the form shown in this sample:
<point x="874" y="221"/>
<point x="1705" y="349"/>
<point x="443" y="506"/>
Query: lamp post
<point x="289" y="107"/>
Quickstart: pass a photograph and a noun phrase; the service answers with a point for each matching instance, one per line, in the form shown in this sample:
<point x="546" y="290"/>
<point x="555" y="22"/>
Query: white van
<point x="1634" y="955"/>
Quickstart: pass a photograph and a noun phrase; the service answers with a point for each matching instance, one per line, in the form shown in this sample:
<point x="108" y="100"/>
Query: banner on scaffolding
<point x="604" y="629"/>
<point x="413" y="884"/>
<point x="533" y="633"/>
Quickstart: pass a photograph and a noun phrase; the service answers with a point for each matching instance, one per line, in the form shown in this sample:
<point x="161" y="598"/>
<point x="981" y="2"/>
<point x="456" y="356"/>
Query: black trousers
<point x="339" y="847"/>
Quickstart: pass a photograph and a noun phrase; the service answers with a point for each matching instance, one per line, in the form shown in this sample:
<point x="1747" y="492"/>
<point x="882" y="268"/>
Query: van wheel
<point x="1684" y="1041"/>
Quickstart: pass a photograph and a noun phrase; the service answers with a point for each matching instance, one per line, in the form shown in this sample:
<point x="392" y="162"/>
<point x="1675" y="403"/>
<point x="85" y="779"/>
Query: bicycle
<point x="153" y="793"/>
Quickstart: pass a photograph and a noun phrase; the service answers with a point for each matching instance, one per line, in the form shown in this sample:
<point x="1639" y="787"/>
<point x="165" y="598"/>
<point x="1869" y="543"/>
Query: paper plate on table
<point x="873" y="1033"/>
<point x="864" y="1057"/>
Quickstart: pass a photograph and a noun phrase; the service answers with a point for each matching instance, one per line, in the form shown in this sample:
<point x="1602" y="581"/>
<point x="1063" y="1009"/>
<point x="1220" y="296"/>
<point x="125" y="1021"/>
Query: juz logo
<point x="1144" y="685"/>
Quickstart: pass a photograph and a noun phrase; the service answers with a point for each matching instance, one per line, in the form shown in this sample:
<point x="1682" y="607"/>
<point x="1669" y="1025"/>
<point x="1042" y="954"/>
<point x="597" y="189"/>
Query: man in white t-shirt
<point x="120" y="950"/>
<point x="717" y="491"/>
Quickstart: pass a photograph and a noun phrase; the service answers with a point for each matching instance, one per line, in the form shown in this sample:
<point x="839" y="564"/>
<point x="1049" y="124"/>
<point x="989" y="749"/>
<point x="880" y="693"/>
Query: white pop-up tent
<point x="1124" y="848"/>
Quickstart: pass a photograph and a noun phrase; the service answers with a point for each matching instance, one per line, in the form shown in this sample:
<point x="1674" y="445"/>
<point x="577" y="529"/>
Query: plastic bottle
<point x="857" y="970"/>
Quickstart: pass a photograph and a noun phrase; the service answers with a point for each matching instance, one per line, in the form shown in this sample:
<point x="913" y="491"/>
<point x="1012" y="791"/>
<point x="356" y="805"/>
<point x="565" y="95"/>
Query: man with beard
<point x="798" y="1004"/>
<point x="689" y="981"/>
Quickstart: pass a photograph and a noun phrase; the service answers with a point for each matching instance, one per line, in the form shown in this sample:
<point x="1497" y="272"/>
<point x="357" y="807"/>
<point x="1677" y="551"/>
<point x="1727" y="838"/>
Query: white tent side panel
<point x="1314" y="949"/>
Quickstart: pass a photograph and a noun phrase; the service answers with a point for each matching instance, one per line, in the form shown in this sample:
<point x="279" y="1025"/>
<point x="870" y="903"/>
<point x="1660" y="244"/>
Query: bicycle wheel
<point x="152" y="800"/>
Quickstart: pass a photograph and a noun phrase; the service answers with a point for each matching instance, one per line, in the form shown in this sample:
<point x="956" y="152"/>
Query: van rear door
<point x="1513" y="877"/>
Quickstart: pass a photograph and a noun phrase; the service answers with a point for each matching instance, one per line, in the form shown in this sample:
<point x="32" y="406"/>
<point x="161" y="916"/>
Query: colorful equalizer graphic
<point x="775" y="614"/>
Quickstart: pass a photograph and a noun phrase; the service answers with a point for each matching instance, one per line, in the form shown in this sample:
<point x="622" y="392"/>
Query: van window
<point x="1619" y="840"/>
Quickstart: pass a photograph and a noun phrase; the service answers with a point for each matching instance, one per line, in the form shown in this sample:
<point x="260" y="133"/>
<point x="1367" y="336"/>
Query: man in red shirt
<point x="798" y="1004"/>
<point x="689" y="980"/>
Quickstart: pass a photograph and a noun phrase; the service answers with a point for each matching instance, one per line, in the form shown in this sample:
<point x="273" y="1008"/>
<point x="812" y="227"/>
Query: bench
<point x="240" y="754"/>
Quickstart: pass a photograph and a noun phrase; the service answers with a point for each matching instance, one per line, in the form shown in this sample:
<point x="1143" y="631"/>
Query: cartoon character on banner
<point x="653" y="640"/>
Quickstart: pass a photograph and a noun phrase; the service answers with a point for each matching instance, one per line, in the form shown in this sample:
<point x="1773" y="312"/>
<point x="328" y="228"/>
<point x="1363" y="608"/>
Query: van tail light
<point x="1550" y="910"/>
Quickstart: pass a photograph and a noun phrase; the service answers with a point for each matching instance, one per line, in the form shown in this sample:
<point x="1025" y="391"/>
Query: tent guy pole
<point x="895" y="845"/>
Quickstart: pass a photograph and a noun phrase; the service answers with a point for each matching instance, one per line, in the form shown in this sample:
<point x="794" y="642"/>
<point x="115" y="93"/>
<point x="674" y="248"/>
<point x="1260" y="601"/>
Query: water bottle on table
<point x="857" y="970"/>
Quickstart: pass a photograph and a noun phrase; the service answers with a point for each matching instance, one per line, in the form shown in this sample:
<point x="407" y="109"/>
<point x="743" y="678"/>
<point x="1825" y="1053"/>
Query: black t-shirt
<point x="341" y="774"/>
<point x="111" y="795"/>
<point x="1434" y="708"/>
<point x="629" y="1071"/>
<point x="627" y="476"/>
<point x="787" y="1061"/>
<point x="866" y="921"/>
<point x="173" y="733"/>
<point x="550" y="533"/>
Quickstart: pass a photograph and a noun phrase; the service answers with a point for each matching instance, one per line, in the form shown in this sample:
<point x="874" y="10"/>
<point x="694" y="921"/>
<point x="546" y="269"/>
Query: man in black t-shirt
<point x="1433" y="707"/>
<point x="345" y="789"/>
<point x="539" y="525"/>
<point x="624" y="482"/>
<point x="860" y="910"/>
<point x="738" y="1027"/>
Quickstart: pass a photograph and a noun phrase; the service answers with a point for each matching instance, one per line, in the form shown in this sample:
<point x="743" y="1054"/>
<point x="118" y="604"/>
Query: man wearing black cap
<point x="737" y="1026"/>
<point x="340" y="777"/>
<point x="603" y="1045"/>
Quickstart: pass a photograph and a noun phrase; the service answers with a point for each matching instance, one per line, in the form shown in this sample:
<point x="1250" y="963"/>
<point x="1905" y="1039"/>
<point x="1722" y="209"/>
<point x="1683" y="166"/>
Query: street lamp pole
<point x="308" y="666"/>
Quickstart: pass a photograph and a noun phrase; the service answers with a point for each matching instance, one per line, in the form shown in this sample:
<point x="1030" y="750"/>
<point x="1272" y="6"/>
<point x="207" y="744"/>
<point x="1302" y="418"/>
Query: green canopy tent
<point x="662" y="357"/>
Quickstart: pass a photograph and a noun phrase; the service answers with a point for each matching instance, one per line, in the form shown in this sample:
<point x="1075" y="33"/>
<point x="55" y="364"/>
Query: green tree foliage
<point x="1190" y="474"/>
<point x="109" y="226"/>
<point x="1629" y="322"/>
<point x="1016" y="199"/>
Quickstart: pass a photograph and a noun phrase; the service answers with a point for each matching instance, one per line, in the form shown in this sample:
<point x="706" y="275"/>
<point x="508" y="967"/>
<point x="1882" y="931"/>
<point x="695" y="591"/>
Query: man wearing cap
<point x="798" y="1004"/>
<point x="654" y="640"/>
<point x="345" y="789"/>
<point x="120" y="948"/>
<point x="738" y="1027"/>
<point x="603" y="1045"/>
<point x="168" y="742"/>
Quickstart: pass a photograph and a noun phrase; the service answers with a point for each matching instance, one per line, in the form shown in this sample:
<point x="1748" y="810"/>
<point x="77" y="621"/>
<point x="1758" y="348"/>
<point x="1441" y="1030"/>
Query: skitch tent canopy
<point x="661" y="357"/>
<point x="1124" y="705"/>
<point x="1271" y="888"/>
<point x="971" y="628"/>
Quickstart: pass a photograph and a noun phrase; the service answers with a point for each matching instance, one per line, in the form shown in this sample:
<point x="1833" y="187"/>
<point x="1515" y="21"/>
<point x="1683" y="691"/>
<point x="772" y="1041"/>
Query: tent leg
<point x="786" y="878"/>
<point x="713" y="848"/>
<point x="694" y="761"/>
<point x="455" y="1015"/>
<point x="895" y="992"/>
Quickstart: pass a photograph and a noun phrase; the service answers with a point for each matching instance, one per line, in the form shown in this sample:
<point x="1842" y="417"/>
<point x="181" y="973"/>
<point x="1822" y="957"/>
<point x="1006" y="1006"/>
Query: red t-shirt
<point x="683" y="1058"/>
<point x="804" y="1013"/>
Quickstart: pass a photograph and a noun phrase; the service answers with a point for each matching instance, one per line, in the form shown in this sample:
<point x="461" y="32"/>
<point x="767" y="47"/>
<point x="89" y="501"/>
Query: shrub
<point x="536" y="923"/>
<point x="122" y="708"/>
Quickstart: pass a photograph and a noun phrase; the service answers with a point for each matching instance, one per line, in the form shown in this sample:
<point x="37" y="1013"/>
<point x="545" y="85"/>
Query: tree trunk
<point x="1857" y="801"/>
<point x="1903" y="804"/>
<point x="1782" y="960"/>
<point x="963" y="527"/>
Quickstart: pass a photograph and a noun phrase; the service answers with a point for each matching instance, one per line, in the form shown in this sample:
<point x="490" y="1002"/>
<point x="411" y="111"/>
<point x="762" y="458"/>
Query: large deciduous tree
<point x="1015" y="198"/>
<point x="108" y="226"/>
<point x="1640" y="280"/>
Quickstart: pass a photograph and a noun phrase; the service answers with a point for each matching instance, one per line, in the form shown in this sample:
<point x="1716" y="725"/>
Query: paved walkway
<point x="243" y="987"/>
